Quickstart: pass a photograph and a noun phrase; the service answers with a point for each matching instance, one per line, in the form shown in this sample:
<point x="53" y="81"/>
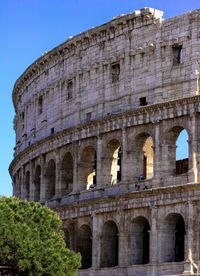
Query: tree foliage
<point x="31" y="240"/>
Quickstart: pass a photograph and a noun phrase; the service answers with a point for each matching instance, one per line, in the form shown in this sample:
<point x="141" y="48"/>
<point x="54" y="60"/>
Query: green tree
<point x="31" y="240"/>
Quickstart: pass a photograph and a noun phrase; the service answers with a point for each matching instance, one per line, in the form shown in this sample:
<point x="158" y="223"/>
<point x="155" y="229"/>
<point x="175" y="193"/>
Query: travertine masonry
<point x="97" y="120"/>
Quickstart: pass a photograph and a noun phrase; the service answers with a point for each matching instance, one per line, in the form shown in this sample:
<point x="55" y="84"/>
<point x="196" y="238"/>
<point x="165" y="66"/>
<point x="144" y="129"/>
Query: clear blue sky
<point x="28" y="28"/>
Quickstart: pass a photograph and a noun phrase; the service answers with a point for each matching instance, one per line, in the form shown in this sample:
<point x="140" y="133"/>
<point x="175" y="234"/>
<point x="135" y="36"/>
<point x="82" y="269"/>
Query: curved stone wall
<point x="97" y="120"/>
<point x="128" y="62"/>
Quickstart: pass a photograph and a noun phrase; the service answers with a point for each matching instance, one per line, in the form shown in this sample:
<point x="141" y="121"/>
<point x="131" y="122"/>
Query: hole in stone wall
<point x="50" y="179"/>
<point x="87" y="168"/>
<point x="69" y="89"/>
<point x="143" y="101"/>
<point x="177" y="52"/>
<point x="109" y="245"/>
<point x="85" y="246"/>
<point x="67" y="174"/>
<point x="172" y="239"/>
<point x="40" y="105"/>
<point x="37" y="183"/>
<point x="148" y="158"/>
<point x="115" y="72"/>
<point x="140" y="241"/>
<point x="182" y="160"/>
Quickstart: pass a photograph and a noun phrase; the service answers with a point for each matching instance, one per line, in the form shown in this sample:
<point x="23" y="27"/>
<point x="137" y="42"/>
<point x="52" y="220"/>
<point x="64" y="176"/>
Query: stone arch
<point x="144" y="156"/>
<point x="172" y="238"/>
<point x="140" y="240"/>
<point x="109" y="244"/>
<point x="37" y="183"/>
<point x="87" y="168"/>
<point x="67" y="167"/>
<point x="111" y="163"/>
<point x="50" y="179"/>
<point x="27" y="185"/>
<point x="84" y="245"/>
<point x="176" y="166"/>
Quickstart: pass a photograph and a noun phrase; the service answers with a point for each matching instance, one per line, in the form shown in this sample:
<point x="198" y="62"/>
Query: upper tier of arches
<point x="130" y="157"/>
<point x="105" y="71"/>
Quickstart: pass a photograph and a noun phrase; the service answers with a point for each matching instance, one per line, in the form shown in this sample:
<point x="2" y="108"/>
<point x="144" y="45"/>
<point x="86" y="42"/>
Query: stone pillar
<point x="42" y="179"/>
<point x="58" y="175"/>
<point x="153" y="254"/>
<point x="22" y="183"/>
<point x="99" y="163"/>
<point x="18" y="183"/>
<point x="76" y="187"/>
<point x="31" y="181"/>
<point x="96" y="242"/>
<point x="193" y="151"/>
<point x="123" y="256"/>
<point x="124" y="171"/>
<point x="157" y="159"/>
<point x="188" y="268"/>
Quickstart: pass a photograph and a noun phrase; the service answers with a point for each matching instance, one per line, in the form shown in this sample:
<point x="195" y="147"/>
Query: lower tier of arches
<point x="136" y="237"/>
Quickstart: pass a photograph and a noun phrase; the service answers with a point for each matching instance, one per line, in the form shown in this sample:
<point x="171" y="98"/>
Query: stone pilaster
<point x="188" y="268"/>
<point x="58" y="174"/>
<point x="123" y="258"/>
<point x="193" y="151"/>
<point x="153" y="254"/>
<point x="124" y="156"/>
<point x="31" y="181"/>
<point x="157" y="157"/>
<point x="76" y="185"/>
<point x="22" y="183"/>
<point x="96" y="242"/>
<point x="42" y="179"/>
<point x="99" y="162"/>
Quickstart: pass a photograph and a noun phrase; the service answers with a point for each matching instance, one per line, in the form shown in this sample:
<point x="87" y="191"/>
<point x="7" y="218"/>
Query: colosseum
<point x="97" y="122"/>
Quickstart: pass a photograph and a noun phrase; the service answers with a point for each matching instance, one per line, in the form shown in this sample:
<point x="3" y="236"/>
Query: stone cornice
<point x="88" y="38"/>
<point x="142" y="115"/>
<point x="150" y="198"/>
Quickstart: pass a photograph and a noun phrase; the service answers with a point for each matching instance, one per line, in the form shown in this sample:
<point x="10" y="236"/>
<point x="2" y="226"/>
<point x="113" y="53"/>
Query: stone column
<point x="193" y="151"/>
<point x="123" y="256"/>
<point x="99" y="163"/>
<point x="22" y="183"/>
<point x="42" y="179"/>
<point x="153" y="254"/>
<point x="96" y="242"/>
<point x="124" y="167"/>
<point x="188" y="268"/>
<point x="18" y="183"/>
<point x="75" y="169"/>
<point x="31" y="182"/>
<point x="157" y="159"/>
<point x="58" y="175"/>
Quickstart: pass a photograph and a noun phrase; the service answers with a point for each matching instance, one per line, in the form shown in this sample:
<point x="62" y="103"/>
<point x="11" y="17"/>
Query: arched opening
<point x="109" y="245"/>
<point x="144" y="156"/>
<point x="85" y="246"/>
<point x="112" y="162"/>
<point x="67" y="238"/>
<point x="140" y="239"/>
<point x="27" y="185"/>
<point x="182" y="164"/>
<point x="178" y="152"/>
<point x="50" y="179"/>
<point x="67" y="174"/>
<point x="37" y="183"/>
<point x="87" y="168"/>
<point x="173" y="239"/>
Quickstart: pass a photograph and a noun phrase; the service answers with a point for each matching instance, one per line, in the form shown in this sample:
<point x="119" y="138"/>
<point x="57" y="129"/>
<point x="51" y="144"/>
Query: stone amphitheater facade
<point x="97" y="119"/>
